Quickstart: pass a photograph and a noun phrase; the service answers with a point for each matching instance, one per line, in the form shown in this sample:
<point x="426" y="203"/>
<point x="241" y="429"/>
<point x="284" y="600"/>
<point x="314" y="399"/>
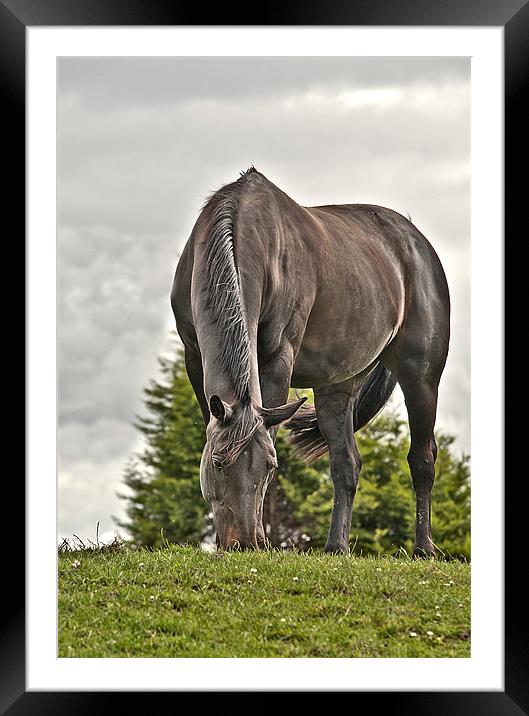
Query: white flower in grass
<point x="76" y="564"/>
<point x="253" y="570"/>
<point x="413" y="633"/>
<point x="295" y="579"/>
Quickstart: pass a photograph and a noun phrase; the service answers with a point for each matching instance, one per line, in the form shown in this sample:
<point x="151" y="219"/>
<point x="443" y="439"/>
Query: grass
<point x="183" y="602"/>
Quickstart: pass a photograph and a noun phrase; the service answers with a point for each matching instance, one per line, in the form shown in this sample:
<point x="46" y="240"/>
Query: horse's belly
<point x="336" y="348"/>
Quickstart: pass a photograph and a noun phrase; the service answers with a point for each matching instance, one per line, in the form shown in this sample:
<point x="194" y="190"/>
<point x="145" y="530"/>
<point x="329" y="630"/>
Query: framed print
<point x="98" y="191"/>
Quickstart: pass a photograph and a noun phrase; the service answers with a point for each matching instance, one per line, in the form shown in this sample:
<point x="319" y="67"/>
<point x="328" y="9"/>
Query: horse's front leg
<point x="334" y="408"/>
<point x="274" y="376"/>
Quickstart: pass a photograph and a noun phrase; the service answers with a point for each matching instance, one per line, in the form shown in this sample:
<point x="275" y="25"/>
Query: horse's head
<point x="237" y="465"/>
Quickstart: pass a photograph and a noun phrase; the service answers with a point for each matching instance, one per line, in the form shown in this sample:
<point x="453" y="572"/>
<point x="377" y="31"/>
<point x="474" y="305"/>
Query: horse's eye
<point x="218" y="463"/>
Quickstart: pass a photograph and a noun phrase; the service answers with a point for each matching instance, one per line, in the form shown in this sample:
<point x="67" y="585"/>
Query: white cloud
<point x="87" y="495"/>
<point x="419" y="97"/>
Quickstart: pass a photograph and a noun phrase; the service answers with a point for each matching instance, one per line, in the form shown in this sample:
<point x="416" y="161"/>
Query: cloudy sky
<point x="141" y="142"/>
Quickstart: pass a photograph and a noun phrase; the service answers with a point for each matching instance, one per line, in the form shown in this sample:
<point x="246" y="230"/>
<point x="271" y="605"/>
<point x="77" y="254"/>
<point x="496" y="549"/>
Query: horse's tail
<point x="374" y="393"/>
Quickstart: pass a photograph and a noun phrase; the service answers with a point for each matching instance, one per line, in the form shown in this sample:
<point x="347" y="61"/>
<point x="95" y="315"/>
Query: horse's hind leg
<point x="420" y="394"/>
<point x="417" y="357"/>
<point x="334" y="408"/>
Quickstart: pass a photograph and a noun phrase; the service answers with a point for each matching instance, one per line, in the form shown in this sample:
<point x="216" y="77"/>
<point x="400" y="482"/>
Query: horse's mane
<point x="223" y="300"/>
<point x="222" y="290"/>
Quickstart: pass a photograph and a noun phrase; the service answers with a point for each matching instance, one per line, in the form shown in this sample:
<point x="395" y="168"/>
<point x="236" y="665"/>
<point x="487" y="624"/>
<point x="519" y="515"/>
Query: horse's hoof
<point x="336" y="548"/>
<point x="424" y="551"/>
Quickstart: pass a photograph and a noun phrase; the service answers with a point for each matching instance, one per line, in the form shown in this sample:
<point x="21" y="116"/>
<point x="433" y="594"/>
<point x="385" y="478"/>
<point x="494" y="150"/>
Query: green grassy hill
<point x="183" y="602"/>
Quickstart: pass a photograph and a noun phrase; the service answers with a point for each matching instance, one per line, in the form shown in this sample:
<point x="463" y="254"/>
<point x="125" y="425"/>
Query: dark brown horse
<point x="346" y="300"/>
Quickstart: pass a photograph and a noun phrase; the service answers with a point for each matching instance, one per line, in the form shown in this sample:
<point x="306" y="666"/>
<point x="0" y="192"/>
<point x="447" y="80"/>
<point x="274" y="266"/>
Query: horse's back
<point x="424" y="327"/>
<point x="375" y="271"/>
<point x="364" y="253"/>
<point x="388" y="237"/>
<point x="378" y="224"/>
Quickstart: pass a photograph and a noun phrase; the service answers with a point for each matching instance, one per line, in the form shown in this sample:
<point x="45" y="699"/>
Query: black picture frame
<point x="513" y="16"/>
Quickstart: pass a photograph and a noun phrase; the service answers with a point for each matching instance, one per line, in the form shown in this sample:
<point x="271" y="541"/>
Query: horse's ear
<point x="274" y="416"/>
<point x="219" y="409"/>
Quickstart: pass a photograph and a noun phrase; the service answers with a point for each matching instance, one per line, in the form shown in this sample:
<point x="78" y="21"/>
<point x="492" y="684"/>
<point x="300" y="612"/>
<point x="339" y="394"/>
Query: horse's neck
<point x="229" y="281"/>
<point x="218" y="378"/>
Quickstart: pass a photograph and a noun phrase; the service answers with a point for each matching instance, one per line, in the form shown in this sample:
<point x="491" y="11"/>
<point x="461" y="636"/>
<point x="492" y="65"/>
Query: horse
<point x="345" y="299"/>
